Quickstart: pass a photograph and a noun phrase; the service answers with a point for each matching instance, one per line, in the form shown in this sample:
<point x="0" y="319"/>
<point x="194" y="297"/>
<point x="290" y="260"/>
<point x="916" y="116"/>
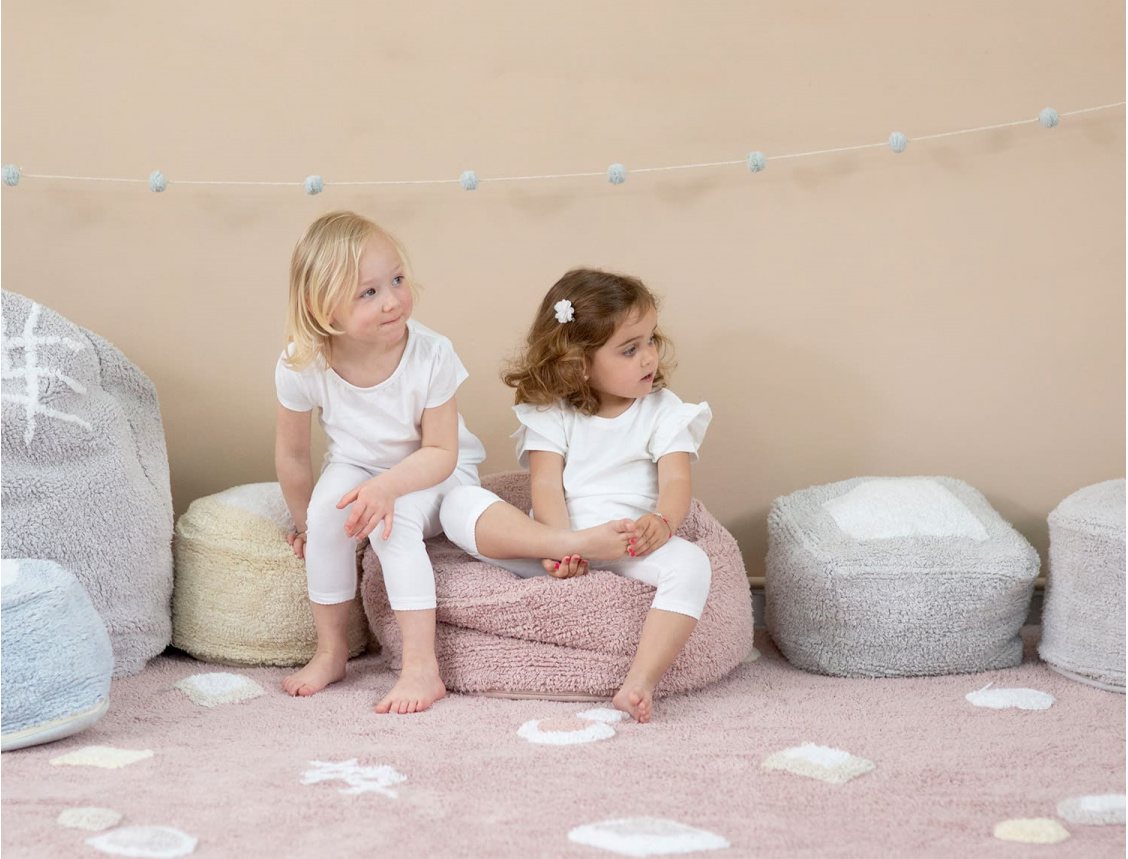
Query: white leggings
<point x="679" y="569"/>
<point x="331" y="553"/>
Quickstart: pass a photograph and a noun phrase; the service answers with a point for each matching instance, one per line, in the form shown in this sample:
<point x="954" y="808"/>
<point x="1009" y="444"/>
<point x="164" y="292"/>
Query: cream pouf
<point x="889" y="577"/>
<point x="1083" y="615"/>
<point x="239" y="595"/>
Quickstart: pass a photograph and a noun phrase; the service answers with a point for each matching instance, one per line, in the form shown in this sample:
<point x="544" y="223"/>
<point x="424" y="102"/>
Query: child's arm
<point x="374" y="500"/>
<point x="546" y="477"/>
<point x="295" y="469"/>
<point x="675" y="491"/>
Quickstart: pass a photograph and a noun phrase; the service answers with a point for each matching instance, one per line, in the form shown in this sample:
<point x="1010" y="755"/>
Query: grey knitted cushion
<point x="888" y="577"/>
<point x="1083" y="617"/>
<point x="85" y="479"/>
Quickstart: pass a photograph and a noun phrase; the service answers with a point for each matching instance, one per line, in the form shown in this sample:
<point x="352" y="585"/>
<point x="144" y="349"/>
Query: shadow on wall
<point x="835" y="407"/>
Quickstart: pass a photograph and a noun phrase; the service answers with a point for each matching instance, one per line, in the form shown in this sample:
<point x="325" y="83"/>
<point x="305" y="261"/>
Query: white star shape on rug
<point x="374" y="779"/>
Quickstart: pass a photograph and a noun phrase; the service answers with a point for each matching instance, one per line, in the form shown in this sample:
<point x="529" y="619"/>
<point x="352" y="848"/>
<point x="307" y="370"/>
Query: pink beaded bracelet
<point x="664" y="519"/>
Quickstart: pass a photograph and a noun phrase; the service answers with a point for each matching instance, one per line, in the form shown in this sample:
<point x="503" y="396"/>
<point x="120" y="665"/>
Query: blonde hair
<point x="324" y="271"/>
<point x="554" y="362"/>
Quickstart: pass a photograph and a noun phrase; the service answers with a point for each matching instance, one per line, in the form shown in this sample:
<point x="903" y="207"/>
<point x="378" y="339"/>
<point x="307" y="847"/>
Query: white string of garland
<point x="616" y="174"/>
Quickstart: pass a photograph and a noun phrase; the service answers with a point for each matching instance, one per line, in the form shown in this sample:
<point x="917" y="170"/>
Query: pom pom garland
<point x="757" y="161"/>
<point x="898" y="141"/>
<point x="468" y="180"/>
<point x="11" y="174"/>
<point x="313" y="185"/>
<point x="157" y="182"/>
<point x="616" y="174"/>
<point x="1048" y="117"/>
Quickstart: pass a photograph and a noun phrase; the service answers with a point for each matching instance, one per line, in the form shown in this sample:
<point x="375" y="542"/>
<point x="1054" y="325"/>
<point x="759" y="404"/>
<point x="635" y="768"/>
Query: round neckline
<point x="399" y="366"/>
<point x="621" y="414"/>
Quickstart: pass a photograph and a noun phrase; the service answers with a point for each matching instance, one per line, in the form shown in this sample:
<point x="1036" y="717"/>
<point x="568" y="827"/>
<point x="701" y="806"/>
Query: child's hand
<point x="566" y="568"/>
<point x="651" y="532"/>
<point x="372" y="504"/>
<point x="297" y="541"/>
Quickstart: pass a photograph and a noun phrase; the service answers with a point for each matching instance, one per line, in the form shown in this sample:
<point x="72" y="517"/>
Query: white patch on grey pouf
<point x="903" y="507"/>
<point x="1018" y="698"/>
<point x="9" y="572"/>
<point x="602" y="714"/>
<point x="1095" y="810"/>
<point x="360" y="779"/>
<point x="90" y="818"/>
<point x="822" y="762"/>
<point x="567" y="731"/>
<point x="149" y="842"/>
<point x="1031" y="830"/>
<point x="219" y="687"/>
<point x="106" y="757"/>
<point x="646" y="836"/>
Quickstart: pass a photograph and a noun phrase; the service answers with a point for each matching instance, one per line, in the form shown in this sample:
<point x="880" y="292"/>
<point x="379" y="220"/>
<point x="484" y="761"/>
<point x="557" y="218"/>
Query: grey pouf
<point x="1083" y="615"/>
<point x="57" y="656"/>
<point x="892" y="577"/>
<point x="85" y="478"/>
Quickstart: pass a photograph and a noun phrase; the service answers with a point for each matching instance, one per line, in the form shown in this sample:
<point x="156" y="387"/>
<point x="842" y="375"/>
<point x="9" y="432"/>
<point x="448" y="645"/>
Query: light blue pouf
<point x="57" y="655"/>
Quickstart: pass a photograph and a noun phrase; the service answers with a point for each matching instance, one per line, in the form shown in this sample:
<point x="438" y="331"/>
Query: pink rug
<point x="903" y="767"/>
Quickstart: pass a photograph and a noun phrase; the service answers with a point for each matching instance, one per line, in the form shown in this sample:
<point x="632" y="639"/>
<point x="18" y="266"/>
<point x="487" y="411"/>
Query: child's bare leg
<point x="328" y="663"/>
<point x="664" y="634"/>
<point x="503" y="531"/>
<point x="419" y="685"/>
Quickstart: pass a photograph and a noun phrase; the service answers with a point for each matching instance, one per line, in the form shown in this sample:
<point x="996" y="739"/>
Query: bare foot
<point x="323" y="669"/>
<point x="415" y="691"/>
<point x="634" y="699"/>
<point x="606" y="542"/>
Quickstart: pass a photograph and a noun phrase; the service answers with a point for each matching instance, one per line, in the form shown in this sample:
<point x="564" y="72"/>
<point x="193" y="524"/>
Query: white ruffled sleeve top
<point x="611" y="464"/>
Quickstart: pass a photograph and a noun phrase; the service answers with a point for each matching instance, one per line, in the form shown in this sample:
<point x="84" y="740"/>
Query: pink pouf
<point x="570" y="639"/>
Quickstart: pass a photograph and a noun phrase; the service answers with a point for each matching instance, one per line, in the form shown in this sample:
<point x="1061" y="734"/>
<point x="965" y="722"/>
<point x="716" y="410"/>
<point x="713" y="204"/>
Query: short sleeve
<point x="542" y="428"/>
<point x="680" y="428"/>
<point x="292" y="392"/>
<point x="447" y="373"/>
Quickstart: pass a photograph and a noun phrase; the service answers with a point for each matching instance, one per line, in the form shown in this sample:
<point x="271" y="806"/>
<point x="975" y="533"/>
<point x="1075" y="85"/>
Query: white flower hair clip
<point x="564" y="311"/>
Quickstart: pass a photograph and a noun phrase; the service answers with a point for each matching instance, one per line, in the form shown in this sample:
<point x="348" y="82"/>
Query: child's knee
<point x="459" y="514"/>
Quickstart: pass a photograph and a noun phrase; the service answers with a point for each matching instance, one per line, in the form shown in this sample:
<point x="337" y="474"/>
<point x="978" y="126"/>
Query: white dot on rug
<point x="148" y="842"/>
<point x="602" y="714"/>
<point x="9" y="572"/>
<point x="106" y="757"/>
<point x="1094" y="810"/>
<point x="1002" y="699"/>
<point x="646" y="836"/>
<point x="219" y="687"/>
<point x="752" y="656"/>
<point x="1031" y="830"/>
<point x="359" y="779"/>
<point x="568" y="731"/>
<point x="90" y="818"/>
<point x="834" y="766"/>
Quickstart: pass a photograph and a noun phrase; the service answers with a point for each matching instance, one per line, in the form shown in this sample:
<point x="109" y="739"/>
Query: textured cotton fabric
<point x="571" y="638"/>
<point x="57" y="656"/>
<point x="85" y="477"/>
<point x="941" y="602"/>
<point x="1083" y="617"/>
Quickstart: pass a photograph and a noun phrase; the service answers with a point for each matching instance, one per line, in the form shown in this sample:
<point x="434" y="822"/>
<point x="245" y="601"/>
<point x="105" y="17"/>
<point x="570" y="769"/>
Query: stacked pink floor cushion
<point x="569" y="639"/>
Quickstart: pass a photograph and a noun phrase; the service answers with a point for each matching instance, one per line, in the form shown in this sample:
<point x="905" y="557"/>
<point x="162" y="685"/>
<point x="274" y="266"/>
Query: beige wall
<point x="957" y="309"/>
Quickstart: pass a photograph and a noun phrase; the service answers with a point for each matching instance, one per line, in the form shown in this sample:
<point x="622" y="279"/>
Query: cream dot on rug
<point x="106" y="757"/>
<point x="1031" y="830"/>
<point x="149" y="842"/>
<point x="90" y="818"/>
<point x="219" y="687"/>
<point x="1001" y="699"/>
<point x="1093" y="810"/>
<point x="602" y="714"/>
<point x="646" y="836"/>
<point x="822" y="762"/>
<point x="9" y="573"/>
<point x="752" y="656"/>
<point x="359" y="779"/>
<point x="565" y="731"/>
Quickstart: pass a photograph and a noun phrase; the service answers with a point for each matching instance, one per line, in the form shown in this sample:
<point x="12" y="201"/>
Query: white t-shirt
<point x="610" y="464"/>
<point x="379" y="427"/>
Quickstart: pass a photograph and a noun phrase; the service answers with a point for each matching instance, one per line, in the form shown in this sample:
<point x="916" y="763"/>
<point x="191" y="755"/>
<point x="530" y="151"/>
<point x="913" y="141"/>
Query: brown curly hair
<point x="554" y="363"/>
